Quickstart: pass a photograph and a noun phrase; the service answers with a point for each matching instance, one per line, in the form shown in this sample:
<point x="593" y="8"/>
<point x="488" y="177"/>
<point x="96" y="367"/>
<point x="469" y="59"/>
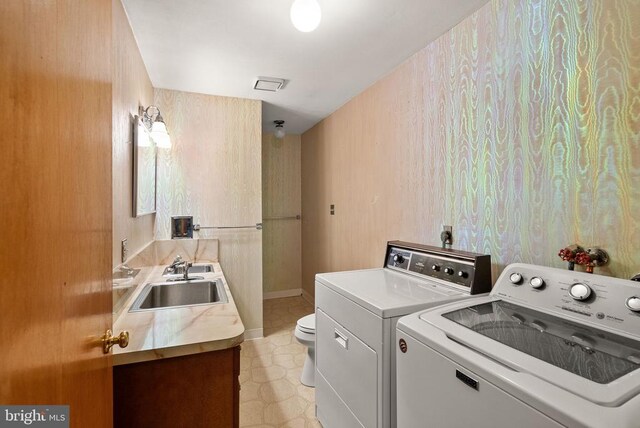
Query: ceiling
<point x="219" y="47"/>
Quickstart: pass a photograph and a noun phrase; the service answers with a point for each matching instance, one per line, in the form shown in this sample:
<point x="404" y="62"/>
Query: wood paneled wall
<point x="55" y="206"/>
<point x="281" y="239"/>
<point x="213" y="172"/>
<point x="519" y="127"/>
<point x="131" y="88"/>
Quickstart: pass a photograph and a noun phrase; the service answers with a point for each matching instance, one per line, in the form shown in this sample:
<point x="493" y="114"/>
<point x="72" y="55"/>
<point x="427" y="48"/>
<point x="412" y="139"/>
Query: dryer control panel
<point x="461" y="268"/>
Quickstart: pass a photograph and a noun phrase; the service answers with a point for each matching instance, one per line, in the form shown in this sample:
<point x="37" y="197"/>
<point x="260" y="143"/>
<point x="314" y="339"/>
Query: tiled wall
<point x="520" y="127"/>
<point x="213" y="172"/>
<point x="131" y="88"/>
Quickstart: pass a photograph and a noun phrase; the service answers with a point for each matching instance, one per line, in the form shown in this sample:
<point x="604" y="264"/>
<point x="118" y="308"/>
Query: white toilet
<point x="305" y="332"/>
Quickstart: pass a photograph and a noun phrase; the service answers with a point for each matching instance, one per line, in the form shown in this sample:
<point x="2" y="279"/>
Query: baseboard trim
<point x="255" y="333"/>
<point x="308" y="297"/>
<point x="281" y="294"/>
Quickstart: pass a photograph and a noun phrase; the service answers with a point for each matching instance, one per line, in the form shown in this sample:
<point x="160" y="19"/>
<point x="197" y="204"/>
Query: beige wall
<point x="281" y="182"/>
<point x="519" y="127"/>
<point x="213" y="172"/>
<point x="131" y="88"/>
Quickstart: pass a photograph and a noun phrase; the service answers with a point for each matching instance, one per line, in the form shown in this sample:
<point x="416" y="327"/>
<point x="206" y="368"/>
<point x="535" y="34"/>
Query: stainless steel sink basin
<point x="179" y="270"/>
<point x="174" y="294"/>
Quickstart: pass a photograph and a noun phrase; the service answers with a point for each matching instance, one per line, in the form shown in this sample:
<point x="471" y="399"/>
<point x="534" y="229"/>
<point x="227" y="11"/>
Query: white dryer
<point x="356" y="315"/>
<point x="546" y="348"/>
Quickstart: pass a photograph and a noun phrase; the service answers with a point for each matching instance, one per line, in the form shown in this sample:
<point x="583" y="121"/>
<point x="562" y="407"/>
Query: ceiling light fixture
<point x="153" y="120"/>
<point x="279" y="132"/>
<point x="306" y="15"/>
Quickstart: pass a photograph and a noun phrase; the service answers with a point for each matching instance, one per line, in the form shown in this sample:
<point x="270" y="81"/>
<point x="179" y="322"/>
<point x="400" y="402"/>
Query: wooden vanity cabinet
<point x="198" y="390"/>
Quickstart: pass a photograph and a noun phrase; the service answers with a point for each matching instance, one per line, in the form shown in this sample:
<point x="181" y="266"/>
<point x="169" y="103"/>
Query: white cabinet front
<point x="433" y="391"/>
<point x="331" y="410"/>
<point x="349" y="366"/>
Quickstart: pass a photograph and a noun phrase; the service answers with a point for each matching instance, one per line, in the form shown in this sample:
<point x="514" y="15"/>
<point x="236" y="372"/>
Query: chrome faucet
<point x="187" y="265"/>
<point x="176" y="262"/>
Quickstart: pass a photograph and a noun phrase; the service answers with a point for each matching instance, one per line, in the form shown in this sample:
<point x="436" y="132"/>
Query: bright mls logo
<point x="34" y="416"/>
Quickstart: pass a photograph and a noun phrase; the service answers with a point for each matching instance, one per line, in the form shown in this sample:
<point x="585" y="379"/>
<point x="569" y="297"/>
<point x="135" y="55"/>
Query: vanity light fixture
<point x="306" y="15"/>
<point x="153" y="120"/>
<point x="279" y="132"/>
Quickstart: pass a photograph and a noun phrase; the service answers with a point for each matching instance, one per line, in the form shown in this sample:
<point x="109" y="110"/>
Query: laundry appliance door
<point x="434" y="391"/>
<point x="504" y="376"/>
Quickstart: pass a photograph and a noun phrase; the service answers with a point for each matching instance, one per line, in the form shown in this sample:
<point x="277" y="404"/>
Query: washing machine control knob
<point x="536" y="282"/>
<point x="435" y="268"/>
<point x="633" y="303"/>
<point x="448" y="271"/>
<point x="398" y="258"/>
<point x="580" y="291"/>
<point x="462" y="274"/>
<point x="515" y="278"/>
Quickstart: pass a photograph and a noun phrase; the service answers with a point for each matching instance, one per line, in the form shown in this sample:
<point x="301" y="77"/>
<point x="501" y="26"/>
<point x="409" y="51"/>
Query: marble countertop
<point x="173" y="332"/>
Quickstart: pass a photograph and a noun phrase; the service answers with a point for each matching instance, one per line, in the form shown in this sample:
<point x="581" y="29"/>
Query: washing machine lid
<point x="595" y="355"/>
<point x="307" y="324"/>
<point x="597" y="365"/>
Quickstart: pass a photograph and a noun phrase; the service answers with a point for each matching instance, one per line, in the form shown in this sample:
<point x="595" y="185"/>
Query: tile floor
<point x="271" y="394"/>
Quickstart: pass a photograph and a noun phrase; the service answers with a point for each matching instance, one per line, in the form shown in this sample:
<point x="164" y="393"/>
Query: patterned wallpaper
<point x="213" y="172"/>
<point x="521" y="127"/>
<point x="281" y="238"/>
<point x="131" y="87"/>
<point x="540" y="102"/>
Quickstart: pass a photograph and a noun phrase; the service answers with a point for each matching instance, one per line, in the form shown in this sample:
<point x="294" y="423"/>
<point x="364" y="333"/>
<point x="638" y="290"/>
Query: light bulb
<point x="279" y="133"/>
<point x="163" y="141"/>
<point x="305" y="15"/>
<point x="159" y="127"/>
<point x="160" y="135"/>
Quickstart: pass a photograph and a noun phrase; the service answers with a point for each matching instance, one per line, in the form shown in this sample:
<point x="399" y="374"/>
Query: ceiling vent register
<point x="269" y="84"/>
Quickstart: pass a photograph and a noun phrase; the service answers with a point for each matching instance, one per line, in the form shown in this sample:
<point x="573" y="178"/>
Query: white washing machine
<point x="356" y="314"/>
<point x="546" y="348"/>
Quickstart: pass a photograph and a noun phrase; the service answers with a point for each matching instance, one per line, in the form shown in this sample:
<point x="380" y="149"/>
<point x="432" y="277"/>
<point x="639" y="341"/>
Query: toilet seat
<point x="307" y="324"/>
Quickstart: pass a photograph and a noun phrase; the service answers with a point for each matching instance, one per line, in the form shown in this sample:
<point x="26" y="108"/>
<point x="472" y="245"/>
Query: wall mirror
<point x="144" y="170"/>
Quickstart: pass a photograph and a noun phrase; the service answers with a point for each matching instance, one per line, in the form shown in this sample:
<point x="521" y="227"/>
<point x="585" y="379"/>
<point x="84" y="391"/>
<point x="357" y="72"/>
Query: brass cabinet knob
<point x="108" y="340"/>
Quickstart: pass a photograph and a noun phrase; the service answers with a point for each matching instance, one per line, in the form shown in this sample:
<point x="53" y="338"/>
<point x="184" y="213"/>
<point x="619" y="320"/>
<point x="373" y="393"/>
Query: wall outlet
<point x="332" y="209"/>
<point x="124" y="250"/>
<point x="446" y="236"/>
